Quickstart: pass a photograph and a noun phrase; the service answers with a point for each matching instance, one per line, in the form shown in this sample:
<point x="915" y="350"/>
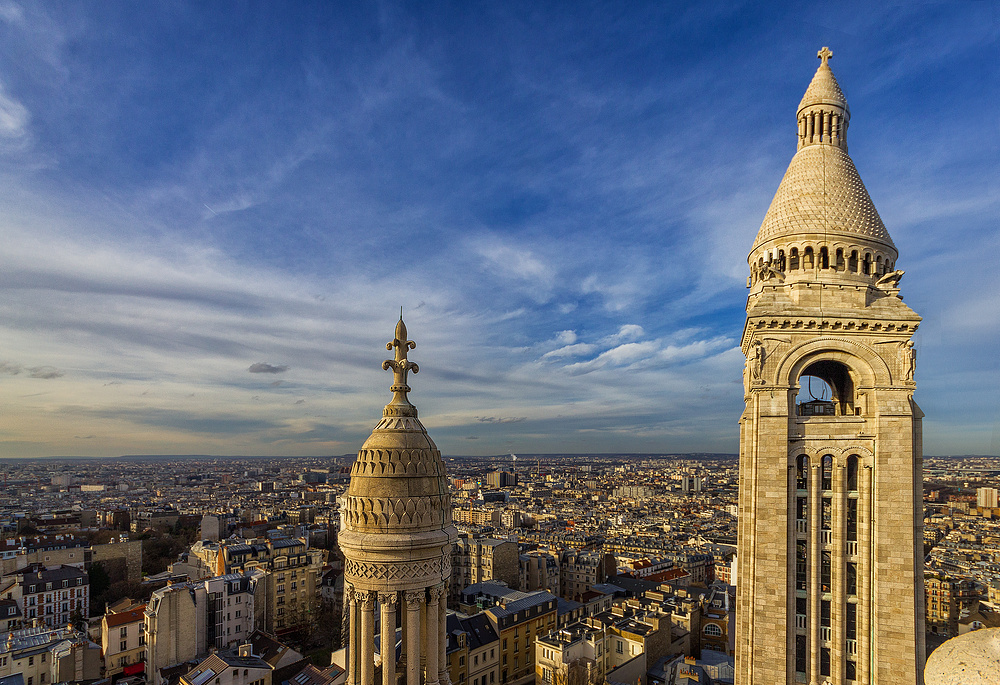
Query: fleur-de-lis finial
<point x="824" y="56"/>
<point x="400" y="366"/>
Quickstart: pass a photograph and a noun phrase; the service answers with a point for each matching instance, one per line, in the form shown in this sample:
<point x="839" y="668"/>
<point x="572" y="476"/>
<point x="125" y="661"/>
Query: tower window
<point x="852" y="473"/>
<point x="801" y="567"/>
<point x="825" y="574"/>
<point x="852" y="578"/>
<point x="828" y="472"/>
<point x="801" y="654"/>
<point x="851" y="621"/>
<point x="867" y="266"/>
<point x="824" y="661"/>
<point x="852" y="262"/>
<point x="852" y="520"/>
<point x="802" y="472"/>
<point x="807" y="259"/>
<point x="840" y="259"/>
<point x="824" y="258"/>
<point x="793" y="259"/>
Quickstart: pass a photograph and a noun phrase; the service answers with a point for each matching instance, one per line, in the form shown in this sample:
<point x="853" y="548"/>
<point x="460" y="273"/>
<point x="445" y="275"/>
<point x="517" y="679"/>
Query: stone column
<point x="867" y="543"/>
<point x="387" y="603"/>
<point x="433" y="634"/>
<point x="423" y="634"/>
<point x="443" y="677"/>
<point x="367" y="638"/>
<point x="414" y="598"/>
<point x="351" y="604"/>
<point x="838" y="569"/>
<point x="813" y="593"/>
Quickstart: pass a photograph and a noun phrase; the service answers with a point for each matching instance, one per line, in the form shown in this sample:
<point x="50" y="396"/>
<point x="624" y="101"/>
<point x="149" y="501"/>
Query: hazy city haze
<point x="207" y="214"/>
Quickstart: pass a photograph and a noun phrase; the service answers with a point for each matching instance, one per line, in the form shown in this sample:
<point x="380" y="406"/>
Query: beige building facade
<point x="830" y="569"/>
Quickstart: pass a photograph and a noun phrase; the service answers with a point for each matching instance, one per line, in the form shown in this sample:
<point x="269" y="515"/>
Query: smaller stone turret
<point x="397" y="540"/>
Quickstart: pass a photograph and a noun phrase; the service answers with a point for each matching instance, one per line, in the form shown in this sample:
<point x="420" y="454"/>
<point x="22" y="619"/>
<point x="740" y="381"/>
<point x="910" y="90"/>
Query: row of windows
<point x="868" y="263"/>
<point x="826" y="472"/>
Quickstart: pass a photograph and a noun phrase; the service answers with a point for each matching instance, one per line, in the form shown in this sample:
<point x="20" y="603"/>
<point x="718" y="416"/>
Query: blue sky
<point x="211" y="213"/>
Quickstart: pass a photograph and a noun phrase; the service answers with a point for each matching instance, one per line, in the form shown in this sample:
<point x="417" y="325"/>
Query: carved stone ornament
<point x="436" y="592"/>
<point x="368" y="599"/>
<point x="907" y="360"/>
<point x="413" y="599"/>
<point x="390" y="571"/>
<point x="388" y="598"/>
<point x="392" y="511"/>
<point x="756" y="359"/>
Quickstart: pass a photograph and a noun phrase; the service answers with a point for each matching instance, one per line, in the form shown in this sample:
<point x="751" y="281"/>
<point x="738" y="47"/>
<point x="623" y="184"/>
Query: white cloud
<point x="11" y="13"/>
<point x="628" y="332"/>
<point x="14" y="118"/>
<point x="575" y="350"/>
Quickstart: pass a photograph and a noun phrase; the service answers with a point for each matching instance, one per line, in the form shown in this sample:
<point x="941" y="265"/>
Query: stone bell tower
<point x="830" y="567"/>
<point x="397" y="542"/>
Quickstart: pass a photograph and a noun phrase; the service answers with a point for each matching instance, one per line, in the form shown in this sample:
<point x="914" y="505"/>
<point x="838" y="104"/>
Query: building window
<point x="123" y="646"/>
<point x="713" y="630"/>
<point x="619" y="647"/>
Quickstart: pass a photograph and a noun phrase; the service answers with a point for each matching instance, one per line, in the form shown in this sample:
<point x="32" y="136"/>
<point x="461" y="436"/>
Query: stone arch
<point x="866" y="367"/>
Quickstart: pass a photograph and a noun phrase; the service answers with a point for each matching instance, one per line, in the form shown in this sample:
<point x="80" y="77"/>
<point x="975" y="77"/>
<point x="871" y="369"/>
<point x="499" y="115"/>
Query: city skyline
<point x="207" y="215"/>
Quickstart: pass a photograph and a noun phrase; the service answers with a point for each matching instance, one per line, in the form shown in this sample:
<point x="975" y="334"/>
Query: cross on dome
<point x="824" y="56"/>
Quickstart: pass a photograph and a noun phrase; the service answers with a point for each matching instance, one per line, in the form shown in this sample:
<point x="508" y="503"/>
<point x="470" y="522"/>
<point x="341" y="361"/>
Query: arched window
<point x="807" y="259"/>
<point x="828" y="472"/>
<point x="824" y="258"/>
<point x="825" y="571"/>
<point x="867" y="266"/>
<point x="852" y="262"/>
<point x="793" y="259"/>
<point x="802" y="472"/>
<point x="781" y="260"/>
<point x="712" y="630"/>
<point x="878" y="266"/>
<point x="852" y="473"/>
<point x="840" y="259"/>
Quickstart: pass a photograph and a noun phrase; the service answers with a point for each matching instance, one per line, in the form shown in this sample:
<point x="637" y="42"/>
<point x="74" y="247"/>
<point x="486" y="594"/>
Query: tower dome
<point x="822" y="224"/>
<point x="397" y="540"/>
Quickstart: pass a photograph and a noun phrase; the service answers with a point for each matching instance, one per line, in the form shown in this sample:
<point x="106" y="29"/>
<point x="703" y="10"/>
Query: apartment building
<point x="293" y="575"/>
<point x="579" y="570"/>
<point x="476" y="558"/>
<point x="186" y="620"/>
<point x="539" y="571"/>
<point x="52" y="595"/>
<point x="123" y="640"/>
<point x="473" y="650"/>
<point x="229" y="668"/>
<point x="944" y="600"/>
<point x="572" y="655"/>
<point x="518" y="622"/>
<point x="44" y="655"/>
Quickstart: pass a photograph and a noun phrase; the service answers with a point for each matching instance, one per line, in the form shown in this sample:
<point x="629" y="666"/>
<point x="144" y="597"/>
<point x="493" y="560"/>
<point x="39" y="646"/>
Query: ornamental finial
<point x="400" y="365"/>
<point x="824" y="56"/>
